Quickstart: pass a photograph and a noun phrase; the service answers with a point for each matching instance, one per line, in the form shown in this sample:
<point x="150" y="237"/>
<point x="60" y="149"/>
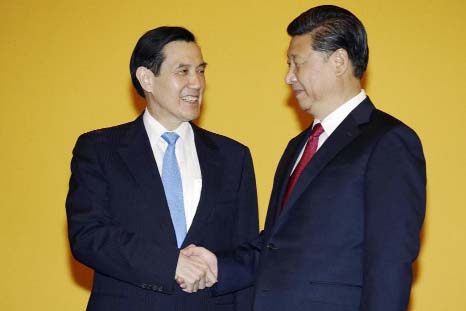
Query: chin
<point x="191" y="116"/>
<point x="304" y="106"/>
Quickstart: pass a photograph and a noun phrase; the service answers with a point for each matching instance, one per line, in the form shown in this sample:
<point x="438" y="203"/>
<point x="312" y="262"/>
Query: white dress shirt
<point x="333" y="120"/>
<point x="186" y="155"/>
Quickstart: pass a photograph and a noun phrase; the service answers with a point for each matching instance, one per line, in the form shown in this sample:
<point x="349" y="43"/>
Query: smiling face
<point x="312" y="77"/>
<point x="175" y="94"/>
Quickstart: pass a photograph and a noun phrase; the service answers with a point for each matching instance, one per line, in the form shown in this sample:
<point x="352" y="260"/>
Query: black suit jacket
<point x="349" y="232"/>
<point x="120" y="226"/>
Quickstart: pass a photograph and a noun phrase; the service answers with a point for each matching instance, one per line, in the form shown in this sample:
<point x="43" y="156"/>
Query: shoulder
<point x="392" y="137"/>
<point x="385" y="125"/>
<point x="109" y="136"/>
<point x="222" y="142"/>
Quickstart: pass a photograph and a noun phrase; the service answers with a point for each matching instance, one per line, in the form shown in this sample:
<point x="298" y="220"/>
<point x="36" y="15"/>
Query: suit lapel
<point x="210" y="162"/>
<point x="137" y="153"/>
<point x="343" y="135"/>
<point x="290" y="160"/>
<point x="284" y="170"/>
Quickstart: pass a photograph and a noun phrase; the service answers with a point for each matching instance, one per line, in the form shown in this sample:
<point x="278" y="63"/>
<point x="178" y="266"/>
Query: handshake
<point x="196" y="269"/>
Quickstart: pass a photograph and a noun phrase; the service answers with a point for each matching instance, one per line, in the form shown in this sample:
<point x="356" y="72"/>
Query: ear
<point x="341" y="61"/>
<point x="145" y="78"/>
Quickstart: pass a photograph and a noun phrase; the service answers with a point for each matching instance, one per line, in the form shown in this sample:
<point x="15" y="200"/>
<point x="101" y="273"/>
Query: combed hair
<point x="332" y="28"/>
<point x="148" y="51"/>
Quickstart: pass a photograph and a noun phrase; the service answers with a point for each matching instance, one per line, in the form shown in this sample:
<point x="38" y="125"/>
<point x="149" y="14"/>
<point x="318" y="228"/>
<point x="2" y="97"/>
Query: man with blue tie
<point x="141" y="191"/>
<point x="348" y="200"/>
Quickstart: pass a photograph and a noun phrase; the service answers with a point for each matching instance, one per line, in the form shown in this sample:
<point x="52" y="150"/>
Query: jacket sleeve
<point x="98" y="241"/>
<point x="238" y="269"/>
<point x="394" y="213"/>
<point x="247" y="223"/>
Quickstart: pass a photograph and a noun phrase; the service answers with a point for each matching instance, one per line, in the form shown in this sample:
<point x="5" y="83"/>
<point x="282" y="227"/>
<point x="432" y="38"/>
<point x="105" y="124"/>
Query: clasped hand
<point x="196" y="269"/>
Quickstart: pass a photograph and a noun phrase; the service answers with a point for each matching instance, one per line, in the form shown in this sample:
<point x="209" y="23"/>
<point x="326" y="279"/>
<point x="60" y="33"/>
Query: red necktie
<point x="309" y="151"/>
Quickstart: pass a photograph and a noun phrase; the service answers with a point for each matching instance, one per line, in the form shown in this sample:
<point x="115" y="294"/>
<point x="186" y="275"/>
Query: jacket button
<point x="143" y="285"/>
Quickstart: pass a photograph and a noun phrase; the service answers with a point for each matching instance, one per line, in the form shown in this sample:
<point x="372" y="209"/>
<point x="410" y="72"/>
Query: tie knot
<point x="317" y="130"/>
<point x="170" y="137"/>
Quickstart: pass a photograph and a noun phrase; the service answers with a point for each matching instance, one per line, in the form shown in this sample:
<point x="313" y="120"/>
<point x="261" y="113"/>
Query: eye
<point x="201" y="71"/>
<point x="183" y="72"/>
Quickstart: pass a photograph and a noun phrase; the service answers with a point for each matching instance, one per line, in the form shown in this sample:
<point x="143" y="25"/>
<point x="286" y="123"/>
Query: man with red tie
<point x="348" y="199"/>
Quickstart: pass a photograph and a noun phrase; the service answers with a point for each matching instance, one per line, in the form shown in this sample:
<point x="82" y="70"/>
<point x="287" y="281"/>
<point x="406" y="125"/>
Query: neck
<point x="347" y="89"/>
<point x="168" y="123"/>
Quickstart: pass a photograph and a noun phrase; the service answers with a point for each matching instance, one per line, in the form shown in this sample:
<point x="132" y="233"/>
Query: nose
<point x="290" y="77"/>
<point x="196" y="81"/>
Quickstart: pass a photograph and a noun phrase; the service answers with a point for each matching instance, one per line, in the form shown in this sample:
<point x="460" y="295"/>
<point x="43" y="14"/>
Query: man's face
<point x="311" y="76"/>
<point x="176" y="93"/>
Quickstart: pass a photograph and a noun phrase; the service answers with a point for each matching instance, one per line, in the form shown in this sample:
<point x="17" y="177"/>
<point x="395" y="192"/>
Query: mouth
<point x="190" y="99"/>
<point x="298" y="92"/>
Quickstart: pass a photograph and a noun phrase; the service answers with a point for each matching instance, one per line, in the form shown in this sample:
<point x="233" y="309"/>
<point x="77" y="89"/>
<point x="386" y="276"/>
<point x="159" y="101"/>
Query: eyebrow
<point x="296" y="58"/>
<point x="187" y="65"/>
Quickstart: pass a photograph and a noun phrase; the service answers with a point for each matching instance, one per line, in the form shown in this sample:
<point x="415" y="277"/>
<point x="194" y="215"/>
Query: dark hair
<point x="148" y="50"/>
<point x="332" y="28"/>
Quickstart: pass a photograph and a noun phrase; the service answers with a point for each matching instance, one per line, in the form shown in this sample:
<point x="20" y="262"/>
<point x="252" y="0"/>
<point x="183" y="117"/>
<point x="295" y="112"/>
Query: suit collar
<point x="155" y="129"/>
<point x="334" y="119"/>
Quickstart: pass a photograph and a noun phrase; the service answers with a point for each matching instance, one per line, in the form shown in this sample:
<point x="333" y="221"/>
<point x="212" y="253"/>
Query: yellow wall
<point x="64" y="70"/>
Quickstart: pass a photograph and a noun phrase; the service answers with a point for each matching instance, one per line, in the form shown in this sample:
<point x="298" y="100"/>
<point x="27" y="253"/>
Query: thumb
<point x="194" y="251"/>
<point x="188" y="250"/>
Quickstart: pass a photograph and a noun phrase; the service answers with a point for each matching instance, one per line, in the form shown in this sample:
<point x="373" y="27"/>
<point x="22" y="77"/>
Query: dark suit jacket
<point x="120" y="226"/>
<point x="349" y="233"/>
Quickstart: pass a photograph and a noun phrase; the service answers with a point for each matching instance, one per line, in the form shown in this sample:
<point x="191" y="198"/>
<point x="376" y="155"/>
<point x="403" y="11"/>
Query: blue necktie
<point x="171" y="179"/>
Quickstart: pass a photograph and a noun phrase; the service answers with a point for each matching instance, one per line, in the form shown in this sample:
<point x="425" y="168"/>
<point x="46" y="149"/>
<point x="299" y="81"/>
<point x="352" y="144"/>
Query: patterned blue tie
<point x="171" y="179"/>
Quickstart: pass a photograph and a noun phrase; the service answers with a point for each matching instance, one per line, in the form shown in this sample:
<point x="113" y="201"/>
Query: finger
<point x="199" y="267"/>
<point x="198" y="262"/>
<point x="210" y="278"/>
<point x="179" y="280"/>
<point x="193" y="251"/>
<point x="197" y="274"/>
<point x="202" y="282"/>
<point x="205" y="268"/>
<point x="194" y="274"/>
<point x="188" y="287"/>
<point x="187" y="250"/>
<point x="185" y="286"/>
<point x="192" y="278"/>
<point x="182" y="285"/>
<point x="196" y="286"/>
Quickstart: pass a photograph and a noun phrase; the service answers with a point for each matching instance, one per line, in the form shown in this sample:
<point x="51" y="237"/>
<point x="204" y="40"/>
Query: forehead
<point x="182" y="52"/>
<point x="300" y="46"/>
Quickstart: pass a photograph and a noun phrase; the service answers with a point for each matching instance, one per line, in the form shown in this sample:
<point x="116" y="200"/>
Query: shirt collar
<point x="333" y="120"/>
<point x="155" y="129"/>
